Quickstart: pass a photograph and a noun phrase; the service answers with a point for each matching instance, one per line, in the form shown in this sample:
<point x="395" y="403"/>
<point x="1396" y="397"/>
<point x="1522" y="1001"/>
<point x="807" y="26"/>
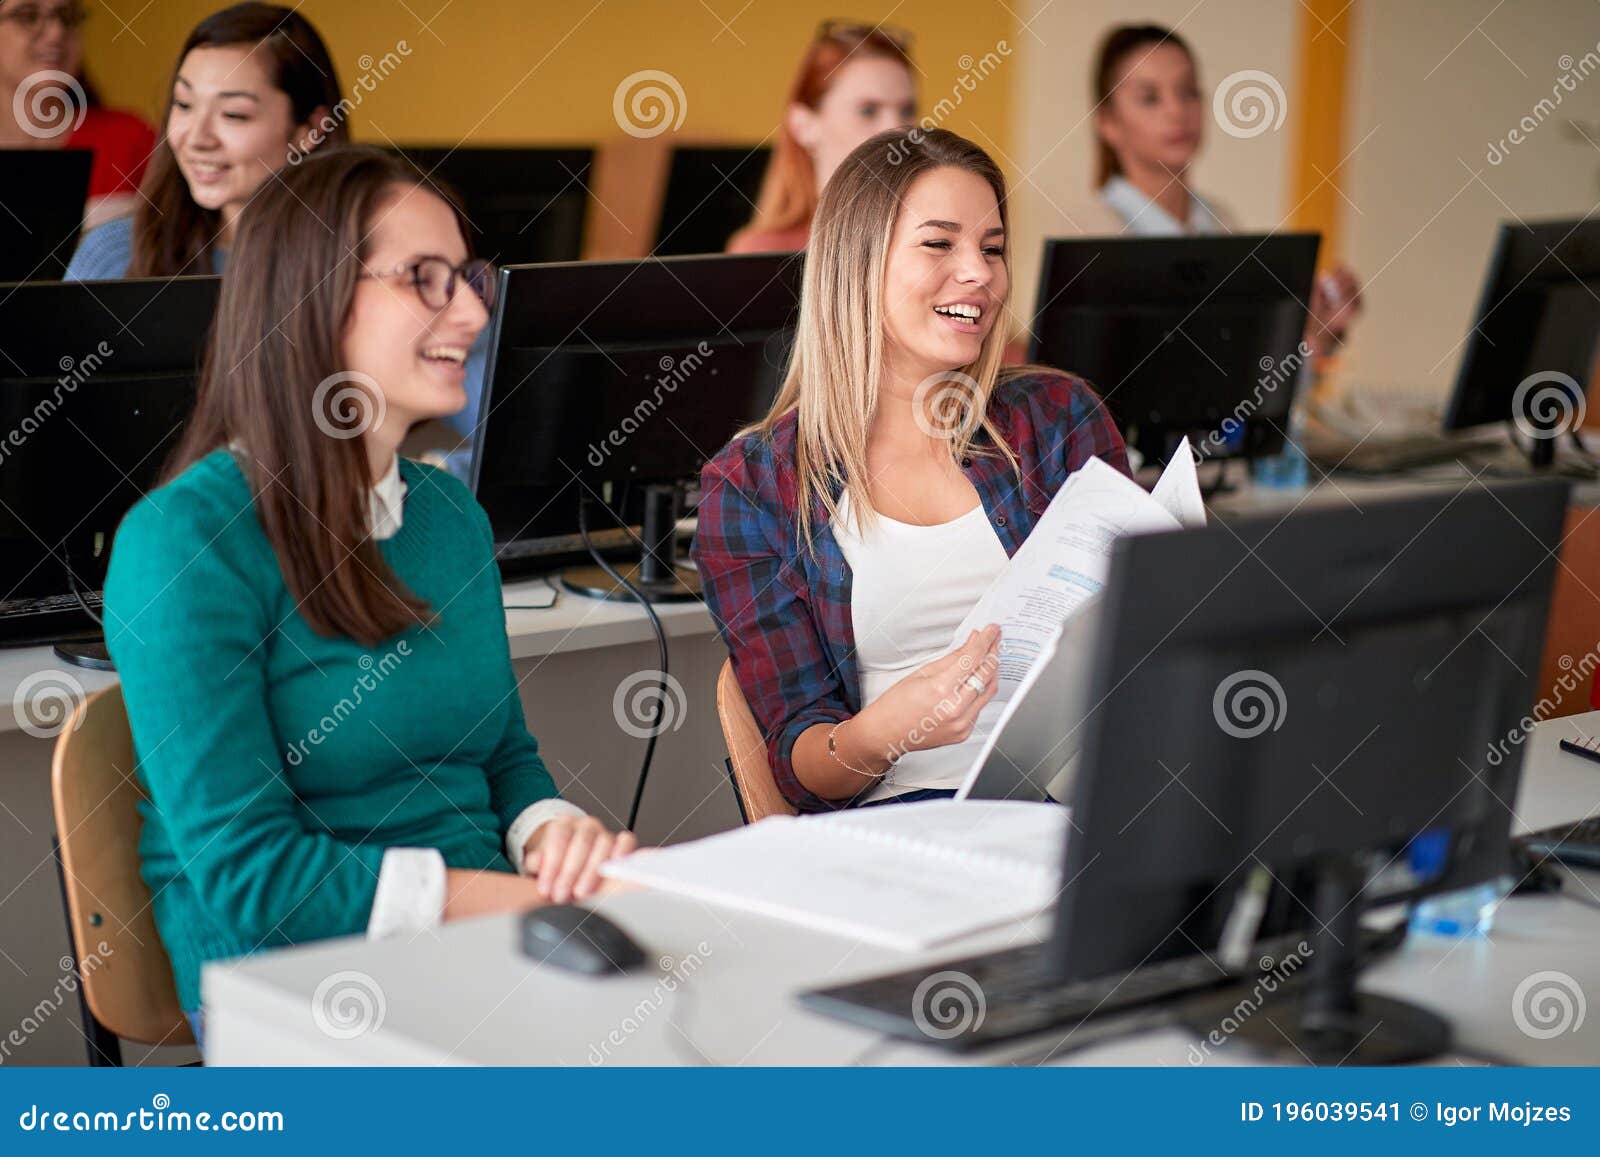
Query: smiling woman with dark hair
<point x="252" y="86"/>
<point x="309" y="628"/>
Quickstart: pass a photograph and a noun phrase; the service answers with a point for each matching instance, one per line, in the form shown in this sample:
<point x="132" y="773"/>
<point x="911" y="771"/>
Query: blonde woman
<point x="842" y="540"/>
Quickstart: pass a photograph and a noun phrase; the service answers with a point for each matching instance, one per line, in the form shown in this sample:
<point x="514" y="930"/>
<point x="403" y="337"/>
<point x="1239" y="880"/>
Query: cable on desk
<point x="77" y="593"/>
<point x="661" y="650"/>
<point x="538" y="606"/>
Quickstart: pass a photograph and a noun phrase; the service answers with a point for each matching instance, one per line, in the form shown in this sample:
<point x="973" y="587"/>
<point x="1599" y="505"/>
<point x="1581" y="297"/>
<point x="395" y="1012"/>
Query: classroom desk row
<point x="572" y="658"/>
<point x="466" y="995"/>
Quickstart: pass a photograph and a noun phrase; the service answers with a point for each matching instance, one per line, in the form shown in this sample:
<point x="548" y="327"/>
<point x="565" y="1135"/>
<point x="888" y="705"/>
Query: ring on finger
<point x="977" y="684"/>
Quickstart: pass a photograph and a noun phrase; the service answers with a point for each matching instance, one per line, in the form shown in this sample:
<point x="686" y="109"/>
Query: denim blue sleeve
<point x="103" y="254"/>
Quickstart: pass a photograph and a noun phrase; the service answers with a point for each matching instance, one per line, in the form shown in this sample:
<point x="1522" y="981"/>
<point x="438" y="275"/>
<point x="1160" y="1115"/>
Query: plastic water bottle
<point x="1466" y="913"/>
<point x="1288" y="469"/>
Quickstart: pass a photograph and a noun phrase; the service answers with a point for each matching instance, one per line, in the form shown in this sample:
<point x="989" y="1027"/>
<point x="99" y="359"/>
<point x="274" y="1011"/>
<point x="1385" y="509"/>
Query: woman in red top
<point x="854" y="82"/>
<point x="45" y="103"/>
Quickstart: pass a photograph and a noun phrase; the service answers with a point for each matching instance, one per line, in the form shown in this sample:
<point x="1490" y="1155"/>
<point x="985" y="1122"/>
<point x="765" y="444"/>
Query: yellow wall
<point x="545" y="71"/>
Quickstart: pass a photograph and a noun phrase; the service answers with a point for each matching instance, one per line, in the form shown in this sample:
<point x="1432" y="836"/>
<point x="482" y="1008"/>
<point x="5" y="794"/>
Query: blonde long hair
<point x="838" y="357"/>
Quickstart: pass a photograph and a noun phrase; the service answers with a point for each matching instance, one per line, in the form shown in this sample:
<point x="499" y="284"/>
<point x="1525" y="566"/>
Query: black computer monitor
<point x="43" y="198"/>
<point x="1328" y="688"/>
<point x="624" y="376"/>
<point x="1532" y="346"/>
<point x="1181" y="335"/>
<point x="96" y="383"/>
<point x="710" y="195"/>
<point x="524" y="204"/>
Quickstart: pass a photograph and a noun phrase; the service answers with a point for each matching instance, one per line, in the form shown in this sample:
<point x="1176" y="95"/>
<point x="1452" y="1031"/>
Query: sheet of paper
<point x="1178" y="488"/>
<point x="1067" y="557"/>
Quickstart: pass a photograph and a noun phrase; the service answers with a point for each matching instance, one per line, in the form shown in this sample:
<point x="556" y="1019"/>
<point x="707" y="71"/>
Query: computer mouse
<point x="578" y="940"/>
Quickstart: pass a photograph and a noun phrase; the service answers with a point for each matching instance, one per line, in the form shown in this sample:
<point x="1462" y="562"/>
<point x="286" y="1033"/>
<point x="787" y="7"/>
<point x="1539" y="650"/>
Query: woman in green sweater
<point x="309" y="628"/>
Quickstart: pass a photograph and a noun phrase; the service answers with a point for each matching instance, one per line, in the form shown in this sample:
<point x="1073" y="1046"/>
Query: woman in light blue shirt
<point x="1150" y="115"/>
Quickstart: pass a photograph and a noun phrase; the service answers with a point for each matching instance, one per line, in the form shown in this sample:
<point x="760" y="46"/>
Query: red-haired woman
<point x="854" y="82"/>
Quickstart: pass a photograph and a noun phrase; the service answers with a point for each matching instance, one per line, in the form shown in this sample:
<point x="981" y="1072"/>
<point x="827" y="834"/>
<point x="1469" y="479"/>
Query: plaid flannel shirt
<point x="784" y="610"/>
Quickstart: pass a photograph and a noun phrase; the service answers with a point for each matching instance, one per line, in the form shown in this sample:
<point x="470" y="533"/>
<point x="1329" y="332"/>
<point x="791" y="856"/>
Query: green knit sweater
<point x="280" y="764"/>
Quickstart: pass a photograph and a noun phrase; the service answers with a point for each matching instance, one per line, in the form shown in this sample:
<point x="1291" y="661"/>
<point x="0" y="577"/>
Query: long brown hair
<point x="293" y="278"/>
<point x="788" y="195"/>
<point x="1120" y="43"/>
<point x="838" y="359"/>
<point x="173" y="235"/>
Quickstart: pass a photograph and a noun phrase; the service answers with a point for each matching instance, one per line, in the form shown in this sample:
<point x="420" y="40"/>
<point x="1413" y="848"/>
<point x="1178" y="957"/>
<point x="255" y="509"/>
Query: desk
<point x="464" y="995"/>
<point x="570" y="659"/>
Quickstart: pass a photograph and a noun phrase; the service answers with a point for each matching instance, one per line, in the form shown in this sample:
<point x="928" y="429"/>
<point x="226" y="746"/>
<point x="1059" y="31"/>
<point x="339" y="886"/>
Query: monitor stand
<point x="657" y="575"/>
<point x="1320" y="1018"/>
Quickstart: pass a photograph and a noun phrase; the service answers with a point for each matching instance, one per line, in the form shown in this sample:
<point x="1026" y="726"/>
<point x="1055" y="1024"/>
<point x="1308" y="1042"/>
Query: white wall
<point x="1056" y="138"/>
<point x="1432" y="92"/>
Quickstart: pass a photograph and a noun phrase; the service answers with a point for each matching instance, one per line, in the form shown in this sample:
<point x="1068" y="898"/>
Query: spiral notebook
<point x="906" y="876"/>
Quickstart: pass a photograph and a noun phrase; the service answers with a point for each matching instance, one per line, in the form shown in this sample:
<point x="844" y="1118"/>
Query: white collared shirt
<point x="1142" y="217"/>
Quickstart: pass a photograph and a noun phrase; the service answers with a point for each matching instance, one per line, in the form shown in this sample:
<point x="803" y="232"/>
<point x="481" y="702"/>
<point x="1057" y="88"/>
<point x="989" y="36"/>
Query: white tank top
<point x="910" y="588"/>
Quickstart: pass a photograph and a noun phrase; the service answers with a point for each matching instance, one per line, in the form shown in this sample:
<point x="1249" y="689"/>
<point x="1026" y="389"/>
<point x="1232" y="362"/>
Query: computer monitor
<point x="616" y="381"/>
<point x="1181" y="335"/>
<point x="96" y="383"/>
<point x="1328" y="688"/>
<point x="710" y="195"/>
<point x="1532" y="346"/>
<point x="524" y="204"/>
<point x="43" y="199"/>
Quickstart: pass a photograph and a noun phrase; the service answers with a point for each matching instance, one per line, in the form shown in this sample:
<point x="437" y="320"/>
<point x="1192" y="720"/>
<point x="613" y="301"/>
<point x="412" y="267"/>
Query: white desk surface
<point x="574" y="623"/>
<point x="464" y="995"/>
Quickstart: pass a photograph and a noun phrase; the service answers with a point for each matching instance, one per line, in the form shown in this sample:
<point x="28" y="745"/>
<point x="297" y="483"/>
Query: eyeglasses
<point x="32" y="18"/>
<point x="435" y="279"/>
<point x="853" y="32"/>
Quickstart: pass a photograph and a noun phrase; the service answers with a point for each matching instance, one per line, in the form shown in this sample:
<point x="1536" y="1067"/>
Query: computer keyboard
<point x="49" y="605"/>
<point x="1392" y="455"/>
<point x="1575" y="844"/>
<point x="1011" y="988"/>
